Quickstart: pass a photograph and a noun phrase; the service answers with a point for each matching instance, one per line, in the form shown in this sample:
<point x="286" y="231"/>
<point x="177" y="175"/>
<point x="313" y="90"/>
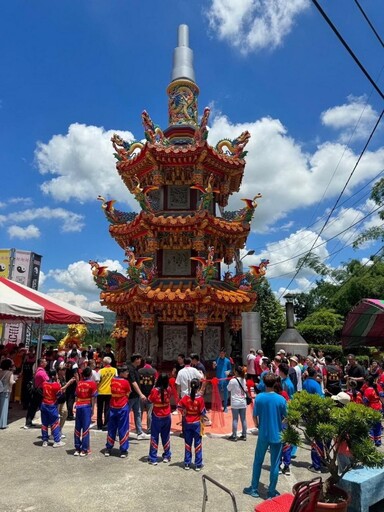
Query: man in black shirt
<point x="136" y="394"/>
<point x="178" y="365"/>
<point x="147" y="380"/>
<point x="355" y="371"/>
<point x="109" y="353"/>
<point x="332" y="378"/>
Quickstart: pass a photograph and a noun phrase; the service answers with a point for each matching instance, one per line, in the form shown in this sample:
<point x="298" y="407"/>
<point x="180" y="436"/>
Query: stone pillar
<point x="251" y="332"/>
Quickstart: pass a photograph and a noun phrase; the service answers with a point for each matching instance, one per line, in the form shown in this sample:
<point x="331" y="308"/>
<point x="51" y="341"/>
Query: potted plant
<point x="338" y="428"/>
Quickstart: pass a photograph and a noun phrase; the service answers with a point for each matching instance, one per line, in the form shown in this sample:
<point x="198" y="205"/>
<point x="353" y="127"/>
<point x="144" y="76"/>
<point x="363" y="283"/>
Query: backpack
<point x="2" y="387"/>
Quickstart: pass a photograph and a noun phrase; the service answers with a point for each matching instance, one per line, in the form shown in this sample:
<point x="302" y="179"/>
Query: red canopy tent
<point x="364" y="325"/>
<point x="18" y="303"/>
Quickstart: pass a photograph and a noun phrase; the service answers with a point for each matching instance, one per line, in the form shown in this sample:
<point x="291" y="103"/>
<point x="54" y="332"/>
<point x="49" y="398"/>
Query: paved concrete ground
<point x="37" y="479"/>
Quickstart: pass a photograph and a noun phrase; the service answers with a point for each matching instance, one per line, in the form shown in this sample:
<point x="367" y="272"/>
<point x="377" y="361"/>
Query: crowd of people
<point x="71" y="385"/>
<point x="277" y="380"/>
<point x="74" y="385"/>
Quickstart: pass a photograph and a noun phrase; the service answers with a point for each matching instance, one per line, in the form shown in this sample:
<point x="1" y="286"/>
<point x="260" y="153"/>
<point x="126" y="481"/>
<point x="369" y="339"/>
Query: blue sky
<point x="73" y="73"/>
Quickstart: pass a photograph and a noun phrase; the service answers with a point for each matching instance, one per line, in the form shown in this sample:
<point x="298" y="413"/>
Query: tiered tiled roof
<point x="184" y="228"/>
<point x="177" y="165"/>
<point x="179" y="300"/>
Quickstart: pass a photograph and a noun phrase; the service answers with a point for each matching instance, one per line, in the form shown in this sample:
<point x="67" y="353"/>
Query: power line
<point x="340" y="195"/>
<point x="325" y="241"/>
<point x="344" y="43"/>
<point x="288" y="244"/>
<point x="361" y="275"/>
<point x="369" y="22"/>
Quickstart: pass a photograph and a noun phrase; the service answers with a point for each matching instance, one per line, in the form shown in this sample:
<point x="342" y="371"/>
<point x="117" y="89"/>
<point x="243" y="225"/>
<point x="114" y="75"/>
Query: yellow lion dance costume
<point x="76" y="334"/>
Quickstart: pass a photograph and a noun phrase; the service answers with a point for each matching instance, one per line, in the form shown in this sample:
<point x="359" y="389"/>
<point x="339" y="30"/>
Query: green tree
<point x="272" y="316"/>
<point x="362" y="282"/>
<point x="375" y="233"/>
<point x="351" y="282"/>
<point x="323" y="326"/>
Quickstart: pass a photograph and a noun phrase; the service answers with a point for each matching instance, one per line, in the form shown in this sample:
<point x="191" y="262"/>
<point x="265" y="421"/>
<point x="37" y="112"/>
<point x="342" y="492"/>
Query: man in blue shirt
<point x="286" y="382"/>
<point x="269" y="412"/>
<point x="223" y="367"/>
<point x="265" y="368"/>
<point x="311" y="385"/>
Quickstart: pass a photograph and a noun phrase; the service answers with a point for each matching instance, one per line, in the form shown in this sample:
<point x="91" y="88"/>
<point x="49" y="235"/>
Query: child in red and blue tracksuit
<point x="86" y="392"/>
<point x="192" y="408"/>
<point x="118" y="420"/>
<point x="160" y="397"/>
<point x="49" y="410"/>
<point x="372" y="397"/>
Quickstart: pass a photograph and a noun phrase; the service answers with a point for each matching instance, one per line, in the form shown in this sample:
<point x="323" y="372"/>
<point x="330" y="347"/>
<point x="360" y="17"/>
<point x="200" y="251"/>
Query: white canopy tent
<point x="18" y="303"/>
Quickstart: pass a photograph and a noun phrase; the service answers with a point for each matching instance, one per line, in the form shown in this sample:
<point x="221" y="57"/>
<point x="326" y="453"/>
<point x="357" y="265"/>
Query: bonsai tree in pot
<point x="339" y="429"/>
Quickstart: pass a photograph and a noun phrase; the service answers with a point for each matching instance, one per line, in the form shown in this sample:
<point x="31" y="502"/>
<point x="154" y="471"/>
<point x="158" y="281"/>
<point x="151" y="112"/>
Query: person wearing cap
<point x="341" y="398"/>
<point x="294" y="365"/>
<point x="344" y="455"/>
<point x="118" y="420"/>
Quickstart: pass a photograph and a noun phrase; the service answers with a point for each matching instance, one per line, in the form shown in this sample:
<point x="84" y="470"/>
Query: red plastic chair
<point x="305" y="499"/>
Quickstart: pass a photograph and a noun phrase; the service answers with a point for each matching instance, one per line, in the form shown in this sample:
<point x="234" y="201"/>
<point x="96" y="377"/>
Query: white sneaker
<point x="63" y="436"/>
<point x="58" y="445"/>
<point x="143" y="436"/>
<point x="152" y="463"/>
<point x="165" y="460"/>
<point x="107" y="453"/>
<point x="77" y="453"/>
<point x="45" y="443"/>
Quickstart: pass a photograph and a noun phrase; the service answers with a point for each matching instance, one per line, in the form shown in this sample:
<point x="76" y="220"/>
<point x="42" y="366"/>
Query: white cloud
<point x="341" y="221"/>
<point x="42" y="278"/>
<point x="286" y="175"/>
<point x="284" y="255"/>
<point x="71" y="222"/>
<point x="254" y="24"/>
<point x="30" y="231"/>
<point x="83" y="163"/>
<point x="78" y="276"/>
<point x="354" y="119"/>
<point x="76" y="299"/>
<point x="27" y="201"/>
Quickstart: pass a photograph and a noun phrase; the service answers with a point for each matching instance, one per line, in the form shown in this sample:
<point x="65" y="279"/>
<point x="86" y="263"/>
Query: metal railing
<point x="215" y="482"/>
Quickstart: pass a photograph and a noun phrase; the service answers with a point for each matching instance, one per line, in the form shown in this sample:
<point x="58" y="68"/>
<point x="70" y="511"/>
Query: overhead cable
<point x="369" y="22"/>
<point x="346" y="46"/>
